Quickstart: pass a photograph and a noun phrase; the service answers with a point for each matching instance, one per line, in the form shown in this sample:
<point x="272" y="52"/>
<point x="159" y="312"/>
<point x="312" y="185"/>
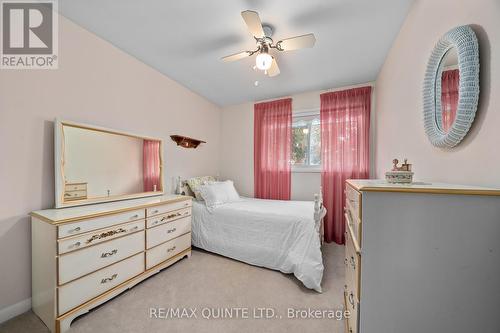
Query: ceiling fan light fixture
<point x="263" y="61"/>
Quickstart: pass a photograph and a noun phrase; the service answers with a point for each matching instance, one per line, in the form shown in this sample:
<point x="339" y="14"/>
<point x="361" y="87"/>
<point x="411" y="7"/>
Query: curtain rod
<point x="358" y="85"/>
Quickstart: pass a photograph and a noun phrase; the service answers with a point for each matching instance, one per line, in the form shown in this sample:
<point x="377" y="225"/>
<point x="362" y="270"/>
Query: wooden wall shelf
<point x="185" y="141"/>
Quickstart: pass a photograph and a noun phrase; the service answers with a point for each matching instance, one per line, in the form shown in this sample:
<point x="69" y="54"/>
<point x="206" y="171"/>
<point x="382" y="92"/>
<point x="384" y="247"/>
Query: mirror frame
<point x="464" y="40"/>
<point x="59" y="166"/>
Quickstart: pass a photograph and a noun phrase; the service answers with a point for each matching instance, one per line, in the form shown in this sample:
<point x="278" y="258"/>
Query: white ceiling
<point x="185" y="40"/>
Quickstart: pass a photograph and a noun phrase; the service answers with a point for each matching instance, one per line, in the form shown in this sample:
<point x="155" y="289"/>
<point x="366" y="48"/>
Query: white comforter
<point x="279" y="235"/>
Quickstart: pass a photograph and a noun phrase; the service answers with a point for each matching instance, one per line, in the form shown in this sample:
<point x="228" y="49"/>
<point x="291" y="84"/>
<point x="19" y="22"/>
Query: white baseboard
<point x="15" y="310"/>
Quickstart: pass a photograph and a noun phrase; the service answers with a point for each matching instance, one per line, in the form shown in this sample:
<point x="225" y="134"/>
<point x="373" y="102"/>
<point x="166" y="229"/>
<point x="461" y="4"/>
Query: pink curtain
<point x="345" y="151"/>
<point x="151" y="165"/>
<point x="449" y="97"/>
<point x="272" y="149"/>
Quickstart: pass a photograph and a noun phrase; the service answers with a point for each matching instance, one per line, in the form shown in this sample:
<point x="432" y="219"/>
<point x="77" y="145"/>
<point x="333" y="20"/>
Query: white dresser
<point x="83" y="256"/>
<point x="422" y="258"/>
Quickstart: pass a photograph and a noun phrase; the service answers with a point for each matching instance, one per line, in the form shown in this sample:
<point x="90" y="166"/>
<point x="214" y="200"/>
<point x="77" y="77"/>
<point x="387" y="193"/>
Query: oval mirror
<point x="451" y="87"/>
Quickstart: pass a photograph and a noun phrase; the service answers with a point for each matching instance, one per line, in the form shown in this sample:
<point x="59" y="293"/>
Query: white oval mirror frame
<point x="464" y="40"/>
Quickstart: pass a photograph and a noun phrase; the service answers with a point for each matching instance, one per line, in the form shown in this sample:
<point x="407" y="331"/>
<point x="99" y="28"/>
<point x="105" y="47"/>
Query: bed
<point x="280" y="235"/>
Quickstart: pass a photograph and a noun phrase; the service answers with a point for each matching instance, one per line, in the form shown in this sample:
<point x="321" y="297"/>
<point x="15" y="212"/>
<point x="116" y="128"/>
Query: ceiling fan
<point x="262" y="34"/>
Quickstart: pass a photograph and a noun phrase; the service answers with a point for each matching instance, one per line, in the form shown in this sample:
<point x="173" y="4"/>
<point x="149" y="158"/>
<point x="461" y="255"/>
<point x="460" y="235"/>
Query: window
<point x="306" y="143"/>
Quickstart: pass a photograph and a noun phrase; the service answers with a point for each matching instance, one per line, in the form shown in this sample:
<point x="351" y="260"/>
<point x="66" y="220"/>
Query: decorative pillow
<point x="218" y="193"/>
<point x="195" y="182"/>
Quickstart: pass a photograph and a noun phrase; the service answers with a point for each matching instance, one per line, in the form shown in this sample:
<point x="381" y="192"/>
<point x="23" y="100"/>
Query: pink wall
<point x="97" y="84"/>
<point x="399" y="126"/>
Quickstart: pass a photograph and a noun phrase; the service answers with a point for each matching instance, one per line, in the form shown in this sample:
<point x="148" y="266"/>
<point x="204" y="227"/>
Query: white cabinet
<point x="421" y="258"/>
<point x="83" y="256"/>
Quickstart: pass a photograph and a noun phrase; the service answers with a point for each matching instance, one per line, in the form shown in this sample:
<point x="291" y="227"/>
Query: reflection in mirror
<point x="102" y="165"/>
<point x="450" y="81"/>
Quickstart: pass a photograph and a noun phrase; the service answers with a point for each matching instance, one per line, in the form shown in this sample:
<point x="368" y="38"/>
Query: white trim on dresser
<point x="84" y="256"/>
<point x="15" y="310"/>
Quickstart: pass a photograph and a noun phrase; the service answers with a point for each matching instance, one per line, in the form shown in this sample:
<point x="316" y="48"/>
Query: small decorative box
<point x="399" y="174"/>
<point x="399" y="177"/>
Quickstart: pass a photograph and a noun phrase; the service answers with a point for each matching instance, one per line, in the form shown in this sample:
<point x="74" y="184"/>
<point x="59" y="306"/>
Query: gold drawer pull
<point x="74" y="230"/>
<point x="67" y="194"/>
<point x="171" y="230"/>
<point x="106" y="234"/>
<point x="353" y="263"/>
<point x="109" y="254"/>
<point x="351" y="299"/>
<point x="172" y="248"/>
<point x="106" y="280"/>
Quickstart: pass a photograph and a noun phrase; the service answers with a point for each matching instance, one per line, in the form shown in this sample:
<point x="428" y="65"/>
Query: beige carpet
<point x="210" y="281"/>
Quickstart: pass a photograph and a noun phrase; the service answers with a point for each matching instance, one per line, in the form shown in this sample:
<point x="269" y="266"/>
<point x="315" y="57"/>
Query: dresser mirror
<point x="451" y="87"/>
<point x="95" y="164"/>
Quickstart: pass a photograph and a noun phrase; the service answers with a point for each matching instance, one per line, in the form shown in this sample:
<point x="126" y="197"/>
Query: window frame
<point x="306" y="168"/>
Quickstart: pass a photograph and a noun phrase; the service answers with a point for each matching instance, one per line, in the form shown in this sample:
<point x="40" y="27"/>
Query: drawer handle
<point x="346" y="261"/>
<point x="74" y="230"/>
<point x="155" y="211"/>
<point x="171" y="230"/>
<point x="136" y="216"/>
<point x="106" y="280"/>
<point x="353" y="263"/>
<point x="134" y="228"/>
<point x="106" y="234"/>
<point x="186" y="204"/>
<point x="172" y="248"/>
<point x="351" y="299"/>
<point x="186" y="213"/>
<point x="173" y="215"/>
<point x="109" y="254"/>
<point x="77" y="244"/>
<point x="67" y="194"/>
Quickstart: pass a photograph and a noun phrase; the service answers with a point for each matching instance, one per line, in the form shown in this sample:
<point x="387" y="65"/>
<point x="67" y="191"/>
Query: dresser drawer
<point x="78" y="263"/>
<point x="352" y="263"/>
<point x="157" y="210"/>
<point x="79" y="291"/>
<point x="92" y="238"/>
<point x="160" y="219"/>
<point x="354" y="227"/>
<point x="75" y="187"/>
<point x="167" y="250"/>
<point x="167" y="231"/>
<point x="75" y="195"/>
<point x="90" y="224"/>
<point x="352" y="306"/>
<point x="353" y="202"/>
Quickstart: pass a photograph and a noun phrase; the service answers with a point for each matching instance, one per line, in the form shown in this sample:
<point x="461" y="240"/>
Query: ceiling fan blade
<point x="295" y="43"/>
<point x="253" y="22"/>
<point x="236" y="56"/>
<point x="274" y="70"/>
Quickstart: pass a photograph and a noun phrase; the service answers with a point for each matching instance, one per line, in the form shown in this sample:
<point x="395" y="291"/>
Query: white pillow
<point x="218" y="193"/>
